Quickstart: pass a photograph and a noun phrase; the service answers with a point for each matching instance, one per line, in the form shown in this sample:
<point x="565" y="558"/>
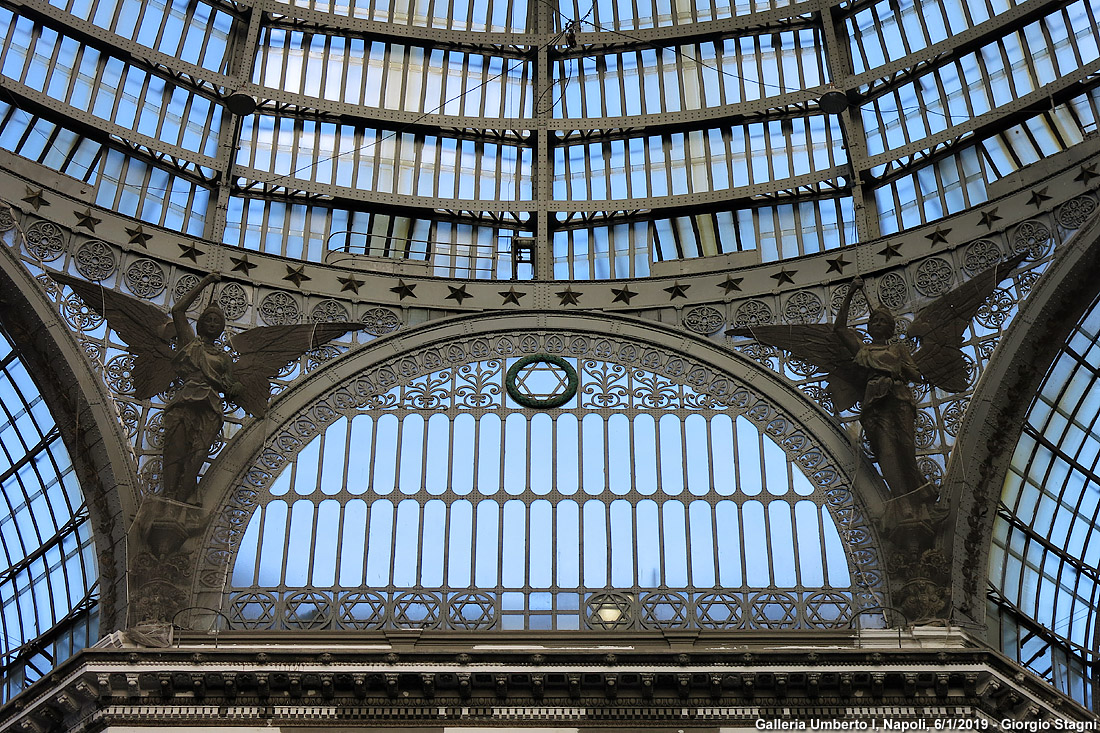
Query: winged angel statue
<point x="169" y="351"/>
<point x="878" y="374"/>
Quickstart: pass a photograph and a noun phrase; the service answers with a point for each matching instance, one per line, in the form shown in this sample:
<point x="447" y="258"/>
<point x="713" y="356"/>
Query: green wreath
<point x="534" y="402"/>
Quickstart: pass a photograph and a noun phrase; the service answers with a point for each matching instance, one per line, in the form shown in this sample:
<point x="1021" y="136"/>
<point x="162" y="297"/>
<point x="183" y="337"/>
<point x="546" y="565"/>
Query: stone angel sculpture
<point x="167" y="351"/>
<point x="878" y="375"/>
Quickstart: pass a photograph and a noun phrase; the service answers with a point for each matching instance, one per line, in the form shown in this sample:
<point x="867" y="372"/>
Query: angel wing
<point x="823" y="345"/>
<point x="940" y="326"/>
<point x="267" y="349"/>
<point x="139" y="324"/>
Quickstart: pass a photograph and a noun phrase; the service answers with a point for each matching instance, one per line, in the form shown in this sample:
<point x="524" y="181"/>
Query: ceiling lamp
<point x="833" y="101"/>
<point x="240" y="104"/>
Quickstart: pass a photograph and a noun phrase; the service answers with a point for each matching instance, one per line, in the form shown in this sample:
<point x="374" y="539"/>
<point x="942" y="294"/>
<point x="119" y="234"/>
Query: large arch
<point x="88" y="427"/>
<point x="257" y="454"/>
<point x="994" y="420"/>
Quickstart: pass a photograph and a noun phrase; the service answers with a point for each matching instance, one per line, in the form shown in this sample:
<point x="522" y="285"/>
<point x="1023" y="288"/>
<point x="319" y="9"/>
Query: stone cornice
<point x="362" y="680"/>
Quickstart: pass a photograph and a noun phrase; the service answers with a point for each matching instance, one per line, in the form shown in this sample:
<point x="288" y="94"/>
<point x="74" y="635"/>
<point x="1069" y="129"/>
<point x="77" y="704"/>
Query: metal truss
<point x="554" y="119"/>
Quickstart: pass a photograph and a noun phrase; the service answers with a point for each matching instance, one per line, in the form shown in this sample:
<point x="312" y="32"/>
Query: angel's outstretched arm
<point x="850" y="339"/>
<point x="179" y="311"/>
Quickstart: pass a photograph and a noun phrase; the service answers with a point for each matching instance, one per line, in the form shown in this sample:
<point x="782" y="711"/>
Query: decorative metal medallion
<point x="892" y="291"/>
<point x="1075" y="212"/>
<point x="145" y="278"/>
<point x="79" y="314"/>
<point x="185" y="285"/>
<point x="95" y="260"/>
<point x="930" y="470"/>
<point x="362" y="610"/>
<point x="996" y="309"/>
<point x="233" y="300"/>
<point x="858" y="306"/>
<point x="981" y="255"/>
<point x="752" y="313"/>
<point x="279" y="309"/>
<point x="120" y="374"/>
<point x="704" y="319"/>
<point x="45" y="240"/>
<point x="803" y="307"/>
<point x="378" y="321"/>
<point x="609" y="611"/>
<point x="541" y="381"/>
<point x="329" y="311"/>
<point x="934" y="277"/>
<point x="1032" y="237"/>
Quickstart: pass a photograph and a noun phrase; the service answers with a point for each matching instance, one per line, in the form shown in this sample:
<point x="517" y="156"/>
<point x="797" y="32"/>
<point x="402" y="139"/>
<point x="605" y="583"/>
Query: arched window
<point x="48" y="584"/>
<point x="1045" y="558"/>
<point x="640" y="502"/>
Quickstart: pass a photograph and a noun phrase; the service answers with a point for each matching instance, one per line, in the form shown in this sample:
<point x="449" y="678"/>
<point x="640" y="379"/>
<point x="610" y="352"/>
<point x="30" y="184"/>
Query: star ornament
<point x="731" y="284"/>
<point x="568" y="296"/>
<point x="890" y="251"/>
<point x="458" y="294"/>
<point x="190" y="251"/>
<point x="623" y="294"/>
<point x="938" y="237"/>
<point x="784" y="276"/>
<point x="351" y="282"/>
<point x="1038" y="197"/>
<point x="86" y="220"/>
<point x="511" y="296"/>
<point x="837" y="265"/>
<point x="989" y="217"/>
<point x="242" y="264"/>
<point x="296" y="275"/>
<point x="677" y="291"/>
<point x="403" y="290"/>
<point x="541" y="380"/>
<point x="1088" y="172"/>
<point x="35" y="198"/>
<point x="139" y="237"/>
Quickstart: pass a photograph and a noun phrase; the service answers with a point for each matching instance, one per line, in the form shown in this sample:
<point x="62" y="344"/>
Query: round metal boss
<point x="541" y="403"/>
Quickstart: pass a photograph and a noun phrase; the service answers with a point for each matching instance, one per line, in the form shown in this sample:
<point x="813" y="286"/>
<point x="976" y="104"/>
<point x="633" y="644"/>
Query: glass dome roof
<point x="615" y="135"/>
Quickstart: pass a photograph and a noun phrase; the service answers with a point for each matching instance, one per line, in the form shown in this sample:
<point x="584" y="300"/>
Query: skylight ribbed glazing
<point x="442" y="131"/>
<point x="1045" y="558"/>
<point x="49" y="577"/>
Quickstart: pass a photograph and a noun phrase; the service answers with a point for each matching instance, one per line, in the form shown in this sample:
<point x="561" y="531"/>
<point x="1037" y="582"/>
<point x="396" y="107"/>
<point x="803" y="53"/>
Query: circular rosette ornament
<point x="541" y="381"/>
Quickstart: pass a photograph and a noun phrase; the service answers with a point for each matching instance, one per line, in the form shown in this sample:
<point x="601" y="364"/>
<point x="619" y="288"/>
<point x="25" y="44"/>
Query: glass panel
<point x="629" y="431"/>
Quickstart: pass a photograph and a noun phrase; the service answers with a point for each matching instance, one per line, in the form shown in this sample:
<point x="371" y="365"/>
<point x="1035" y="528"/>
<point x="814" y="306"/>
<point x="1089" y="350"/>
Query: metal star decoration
<point x="35" y="198"/>
<point x="403" y="290"/>
<point x="511" y="296"/>
<point x="890" y="251"/>
<point x="837" y="264"/>
<point x="139" y="237"/>
<point x="731" y="284"/>
<point x="1038" y="197"/>
<point x="623" y="294"/>
<point x="86" y="220"/>
<point x="190" y="251"/>
<point x="351" y="283"/>
<point x="458" y="294"/>
<point x="568" y="296"/>
<point x="677" y="291"/>
<point x="938" y="237"/>
<point x="1088" y="172"/>
<point x="296" y="275"/>
<point x="784" y="276"/>
<point x="988" y="217"/>
<point x="242" y="264"/>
